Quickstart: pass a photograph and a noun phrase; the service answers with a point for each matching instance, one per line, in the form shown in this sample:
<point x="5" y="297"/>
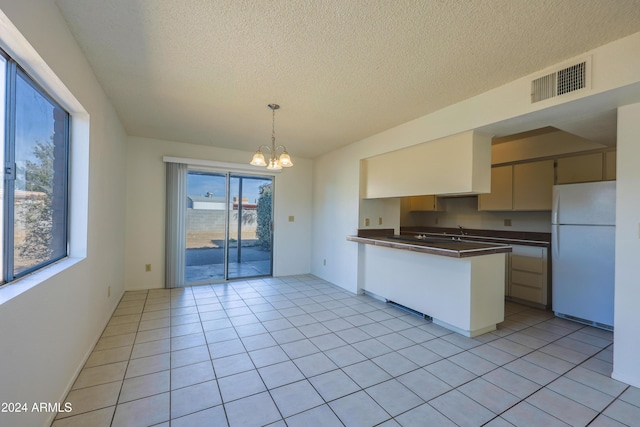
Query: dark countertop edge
<point x="375" y="232"/>
<point x="430" y="249"/>
<point x="492" y="236"/>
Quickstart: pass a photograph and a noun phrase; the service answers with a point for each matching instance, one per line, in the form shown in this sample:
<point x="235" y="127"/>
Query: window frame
<point x="13" y="71"/>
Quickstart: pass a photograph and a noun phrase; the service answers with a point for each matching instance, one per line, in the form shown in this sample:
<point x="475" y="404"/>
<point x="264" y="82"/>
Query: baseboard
<point x="67" y="389"/>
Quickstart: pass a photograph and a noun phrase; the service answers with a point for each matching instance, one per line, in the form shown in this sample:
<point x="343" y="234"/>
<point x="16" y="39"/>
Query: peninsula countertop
<point x="454" y="247"/>
<point x="488" y="236"/>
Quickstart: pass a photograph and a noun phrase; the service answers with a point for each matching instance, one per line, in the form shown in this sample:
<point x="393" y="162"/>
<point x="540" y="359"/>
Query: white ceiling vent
<point x="566" y="80"/>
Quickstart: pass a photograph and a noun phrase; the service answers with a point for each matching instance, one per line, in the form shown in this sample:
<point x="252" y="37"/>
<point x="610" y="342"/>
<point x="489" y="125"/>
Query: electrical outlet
<point x="291" y="218"/>
<point x="147" y="267"/>
<point x="436" y="221"/>
<point x="366" y="222"/>
<point x="507" y="223"/>
<point x="380" y="221"/>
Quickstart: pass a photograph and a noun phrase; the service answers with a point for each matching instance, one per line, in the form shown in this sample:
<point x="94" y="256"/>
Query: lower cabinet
<point x="528" y="275"/>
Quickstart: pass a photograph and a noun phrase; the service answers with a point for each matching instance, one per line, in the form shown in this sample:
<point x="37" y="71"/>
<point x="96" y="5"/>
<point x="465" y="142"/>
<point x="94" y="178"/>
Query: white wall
<point x="381" y="213"/>
<point x="146" y="209"/>
<point x="627" y="296"/>
<point x="48" y="331"/>
<point x="336" y="191"/>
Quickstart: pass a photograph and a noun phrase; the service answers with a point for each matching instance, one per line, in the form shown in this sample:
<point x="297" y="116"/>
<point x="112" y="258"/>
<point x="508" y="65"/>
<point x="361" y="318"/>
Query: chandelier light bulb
<point x="275" y="162"/>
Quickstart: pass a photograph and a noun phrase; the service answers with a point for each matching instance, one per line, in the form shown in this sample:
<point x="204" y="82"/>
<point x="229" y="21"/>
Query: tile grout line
<point x="113" y="416"/>
<point x="215" y="375"/>
<point x="560" y="375"/>
<point x="292" y="295"/>
<point x="338" y="368"/>
<point x="500" y="366"/>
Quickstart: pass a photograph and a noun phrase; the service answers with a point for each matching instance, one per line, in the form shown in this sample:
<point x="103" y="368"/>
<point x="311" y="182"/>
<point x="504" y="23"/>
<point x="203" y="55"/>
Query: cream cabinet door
<point x="501" y="196"/>
<point x="583" y="168"/>
<point x="424" y="203"/>
<point x="610" y="166"/>
<point x="533" y="186"/>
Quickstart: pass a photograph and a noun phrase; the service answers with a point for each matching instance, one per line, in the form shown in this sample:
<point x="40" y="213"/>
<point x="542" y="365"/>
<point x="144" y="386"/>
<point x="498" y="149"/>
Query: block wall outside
<point x="205" y="226"/>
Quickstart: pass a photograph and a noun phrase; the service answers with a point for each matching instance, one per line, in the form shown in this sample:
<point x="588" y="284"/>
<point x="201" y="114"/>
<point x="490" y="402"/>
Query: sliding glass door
<point x="250" y="237"/>
<point x="206" y="227"/>
<point x="228" y="227"/>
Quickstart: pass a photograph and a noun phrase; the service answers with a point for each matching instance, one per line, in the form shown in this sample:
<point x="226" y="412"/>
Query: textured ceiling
<point x="203" y="71"/>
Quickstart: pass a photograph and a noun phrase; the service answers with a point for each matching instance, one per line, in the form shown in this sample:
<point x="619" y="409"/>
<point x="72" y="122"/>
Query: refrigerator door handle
<point x="556" y="208"/>
<point x="556" y="239"/>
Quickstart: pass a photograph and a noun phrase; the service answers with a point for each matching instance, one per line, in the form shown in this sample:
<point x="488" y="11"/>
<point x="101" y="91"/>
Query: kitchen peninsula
<point x="460" y="284"/>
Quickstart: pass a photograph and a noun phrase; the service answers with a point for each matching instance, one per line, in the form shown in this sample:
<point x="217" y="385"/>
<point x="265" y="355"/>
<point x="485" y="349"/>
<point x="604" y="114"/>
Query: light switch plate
<point x="291" y="218"/>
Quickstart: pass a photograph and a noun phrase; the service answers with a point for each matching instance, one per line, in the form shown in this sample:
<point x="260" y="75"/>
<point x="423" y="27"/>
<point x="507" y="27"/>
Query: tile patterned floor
<point x="298" y="351"/>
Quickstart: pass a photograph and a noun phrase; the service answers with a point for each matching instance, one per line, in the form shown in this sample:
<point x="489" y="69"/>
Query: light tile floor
<point x="299" y="351"/>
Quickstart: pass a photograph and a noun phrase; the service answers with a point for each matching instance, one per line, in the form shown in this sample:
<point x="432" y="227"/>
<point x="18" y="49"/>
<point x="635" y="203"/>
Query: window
<point x="35" y="156"/>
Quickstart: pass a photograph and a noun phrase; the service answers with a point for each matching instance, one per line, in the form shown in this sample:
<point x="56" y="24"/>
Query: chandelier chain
<point x="273" y="129"/>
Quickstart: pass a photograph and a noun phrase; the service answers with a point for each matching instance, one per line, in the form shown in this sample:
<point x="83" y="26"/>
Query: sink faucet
<point x="462" y="233"/>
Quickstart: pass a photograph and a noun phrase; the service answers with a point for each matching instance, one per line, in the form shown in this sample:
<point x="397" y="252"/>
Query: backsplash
<point x="464" y="211"/>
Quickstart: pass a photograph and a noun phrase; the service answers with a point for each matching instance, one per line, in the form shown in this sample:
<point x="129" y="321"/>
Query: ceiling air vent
<point x="559" y="82"/>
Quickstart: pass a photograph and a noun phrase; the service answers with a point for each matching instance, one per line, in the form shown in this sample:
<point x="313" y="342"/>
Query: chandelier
<point x="275" y="162"/>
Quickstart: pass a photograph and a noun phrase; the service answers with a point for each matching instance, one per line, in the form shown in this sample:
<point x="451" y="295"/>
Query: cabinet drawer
<point x="527" y="263"/>
<point x="526" y="293"/>
<point x="531" y="251"/>
<point x="526" y="278"/>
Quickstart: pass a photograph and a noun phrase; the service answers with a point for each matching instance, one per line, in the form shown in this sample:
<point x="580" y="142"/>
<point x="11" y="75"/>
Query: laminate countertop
<point x="489" y="236"/>
<point x="455" y="247"/>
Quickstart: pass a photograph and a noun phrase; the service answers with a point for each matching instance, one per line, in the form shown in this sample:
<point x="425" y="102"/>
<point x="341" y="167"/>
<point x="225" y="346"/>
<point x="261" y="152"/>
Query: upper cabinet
<point x="583" y="168"/>
<point x="501" y="196"/>
<point x="457" y="164"/>
<point x="609" y="166"/>
<point x="529" y="186"/>
<point x="519" y="187"/>
<point x="586" y="168"/>
<point x="424" y="203"/>
<point x="533" y="186"/>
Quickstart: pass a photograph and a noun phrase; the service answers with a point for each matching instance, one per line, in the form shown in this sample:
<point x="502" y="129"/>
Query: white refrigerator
<point x="583" y="252"/>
